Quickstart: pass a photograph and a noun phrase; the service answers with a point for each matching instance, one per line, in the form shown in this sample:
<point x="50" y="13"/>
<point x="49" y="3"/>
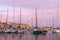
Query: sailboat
<point x="9" y="29"/>
<point x="6" y="29"/>
<point x="57" y="30"/>
<point x="13" y="28"/>
<point x="51" y="30"/>
<point x="32" y="23"/>
<point x="20" y="30"/>
<point x="36" y="31"/>
<point x="54" y="30"/>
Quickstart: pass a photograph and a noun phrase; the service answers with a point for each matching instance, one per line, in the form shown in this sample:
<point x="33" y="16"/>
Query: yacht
<point x="36" y="31"/>
<point x="21" y="31"/>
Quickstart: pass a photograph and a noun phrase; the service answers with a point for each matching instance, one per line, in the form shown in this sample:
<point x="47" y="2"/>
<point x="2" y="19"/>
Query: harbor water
<point x="48" y="36"/>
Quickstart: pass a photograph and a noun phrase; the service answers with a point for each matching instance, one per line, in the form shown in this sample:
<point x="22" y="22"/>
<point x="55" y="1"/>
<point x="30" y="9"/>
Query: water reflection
<point x="5" y="36"/>
<point x="36" y="37"/>
<point x="2" y="36"/>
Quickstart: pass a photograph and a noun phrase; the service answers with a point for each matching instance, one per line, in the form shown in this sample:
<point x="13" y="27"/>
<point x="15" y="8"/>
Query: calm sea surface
<point x="51" y="36"/>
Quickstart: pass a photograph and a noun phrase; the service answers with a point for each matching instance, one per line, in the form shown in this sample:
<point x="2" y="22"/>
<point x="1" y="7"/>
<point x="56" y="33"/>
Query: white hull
<point x="13" y="30"/>
<point x="21" y="31"/>
<point x="10" y="30"/>
<point x="57" y="31"/>
<point x="7" y="30"/>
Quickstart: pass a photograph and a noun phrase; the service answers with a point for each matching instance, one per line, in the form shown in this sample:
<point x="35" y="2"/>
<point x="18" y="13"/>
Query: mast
<point x="53" y="22"/>
<point x="20" y="15"/>
<point x="7" y="17"/>
<point x="13" y="14"/>
<point x="57" y="15"/>
<point x="32" y="20"/>
<point x="43" y="18"/>
<point x="36" y="18"/>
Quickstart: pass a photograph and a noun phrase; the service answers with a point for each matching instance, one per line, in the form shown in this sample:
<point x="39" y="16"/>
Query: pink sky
<point x="46" y="10"/>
